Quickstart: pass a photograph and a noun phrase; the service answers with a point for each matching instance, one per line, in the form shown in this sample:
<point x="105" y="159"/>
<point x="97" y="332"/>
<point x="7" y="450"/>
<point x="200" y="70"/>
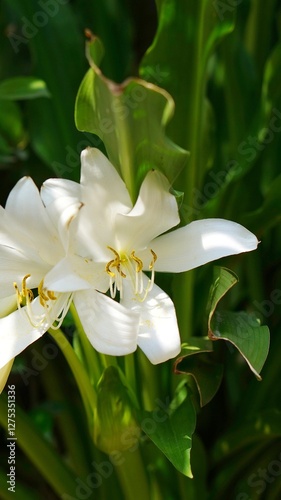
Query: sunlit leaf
<point x="23" y="87"/>
<point x="130" y="118"/>
<point x="243" y="330"/>
<point x="172" y="433"/>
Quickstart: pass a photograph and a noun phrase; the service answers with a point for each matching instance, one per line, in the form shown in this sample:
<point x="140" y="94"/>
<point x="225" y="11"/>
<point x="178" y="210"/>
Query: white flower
<point x="31" y="245"/>
<point x="112" y="243"/>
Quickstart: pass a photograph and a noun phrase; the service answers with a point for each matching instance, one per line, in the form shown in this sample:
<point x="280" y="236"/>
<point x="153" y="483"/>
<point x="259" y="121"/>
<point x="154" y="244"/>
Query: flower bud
<point x="115" y="425"/>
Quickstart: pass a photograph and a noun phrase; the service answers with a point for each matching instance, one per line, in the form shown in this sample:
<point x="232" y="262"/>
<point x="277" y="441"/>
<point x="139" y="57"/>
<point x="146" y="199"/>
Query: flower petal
<point x="200" y="242"/>
<point x="30" y="220"/>
<point x="75" y="273"/>
<point x="4" y="374"/>
<point x="99" y="174"/>
<point x="111" y="328"/>
<point x="17" y="332"/>
<point x="158" y="334"/>
<point x="104" y="194"/>
<point x="155" y="212"/>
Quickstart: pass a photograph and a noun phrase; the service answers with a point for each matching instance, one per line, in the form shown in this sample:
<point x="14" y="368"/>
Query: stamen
<point x="26" y="293"/>
<point x="138" y="261"/>
<point x="45" y="295"/>
<point x="108" y="270"/>
<point x="154" y="259"/>
<point x="134" y="266"/>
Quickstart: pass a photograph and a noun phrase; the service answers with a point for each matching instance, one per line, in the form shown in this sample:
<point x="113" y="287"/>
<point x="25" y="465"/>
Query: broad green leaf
<point x="130" y="118"/>
<point x="224" y="280"/>
<point x="241" y="329"/>
<point x="23" y="87"/>
<point x="206" y="372"/>
<point x="188" y="32"/>
<point x="11" y="123"/>
<point x="172" y="433"/>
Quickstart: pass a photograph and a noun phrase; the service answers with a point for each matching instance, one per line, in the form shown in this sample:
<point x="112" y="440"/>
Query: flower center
<point x="25" y="297"/>
<point x="123" y="265"/>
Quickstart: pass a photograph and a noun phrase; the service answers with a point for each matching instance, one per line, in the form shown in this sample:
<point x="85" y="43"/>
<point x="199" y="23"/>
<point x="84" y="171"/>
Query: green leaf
<point x="188" y="32"/>
<point x="241" y="329"/>
<point x="11" y="123"/>
<point x="130" y="118"/>
<point x="172" y="434"/>
<point x="23" y="87"/>
<point x="206" y="372"/>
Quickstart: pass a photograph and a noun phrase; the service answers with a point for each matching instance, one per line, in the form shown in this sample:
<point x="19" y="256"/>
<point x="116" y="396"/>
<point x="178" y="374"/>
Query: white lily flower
<point x="113" y="243"/>
<point x="31" y="246"/>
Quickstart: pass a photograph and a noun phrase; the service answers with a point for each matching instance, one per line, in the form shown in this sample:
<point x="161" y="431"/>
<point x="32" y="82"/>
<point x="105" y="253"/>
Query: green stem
<point x="87" y="391"/>
<point x="92" y="359"/>
<point x="132" y="476"/>
<point x="39" y="452"/>
<point x="149" y="376"/>
<point x="55" y="391"/>
<point x="130" y="371"/>
<point x="192" y="176"/>
<point x="258" y="32"/>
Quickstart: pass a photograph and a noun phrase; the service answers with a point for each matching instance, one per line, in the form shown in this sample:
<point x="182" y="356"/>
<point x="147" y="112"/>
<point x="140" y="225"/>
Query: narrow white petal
<point x="110" y="327"/>
<point x="14" y="265"/>
<point x="103" y="194"/>
<point x="99" y="174"/>
<point x="8" y="304"/>
<point x="60" y="189"/>
<point x="62" y="199"/>
<point x="155" y="212"/>
<point x="4" y="374"/>
<point x="28" y="219"/>
<point x="200" y="242"/>
<point x="158" y="334"/>
<point x="17" y="331"/>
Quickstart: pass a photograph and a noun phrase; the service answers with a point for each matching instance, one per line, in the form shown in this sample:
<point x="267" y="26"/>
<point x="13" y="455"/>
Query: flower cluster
<point x="85" y="242"/>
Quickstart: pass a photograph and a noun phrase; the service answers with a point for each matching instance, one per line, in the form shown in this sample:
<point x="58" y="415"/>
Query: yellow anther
<point x="108" y="270"/>
<point x="44" y="294"/>
<point x="138" y="261"/>
<point x="25" y="293"/>
<point x="51" y="295"/>
<point x="115" y="263"/>
<point x="154" y="259"/>
<point x="115" y="253"/>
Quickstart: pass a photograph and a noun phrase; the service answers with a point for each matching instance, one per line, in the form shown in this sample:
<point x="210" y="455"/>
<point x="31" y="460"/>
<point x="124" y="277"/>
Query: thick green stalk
<point x="87" y="391"/>
<point x="184" y="283"/>
<point x="93" y="361"/>
<point x="132" y="476"/>
<point x="258" y="32"/>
